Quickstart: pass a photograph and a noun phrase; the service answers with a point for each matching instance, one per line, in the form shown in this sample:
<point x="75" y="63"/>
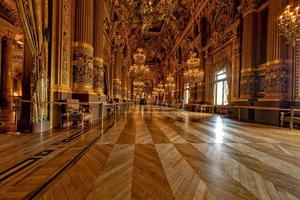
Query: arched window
<point x="221" y="88"/>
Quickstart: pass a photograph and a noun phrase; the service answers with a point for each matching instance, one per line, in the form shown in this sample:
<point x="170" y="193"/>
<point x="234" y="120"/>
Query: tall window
<point x="221" y="88"/>
<point x="186" y="93"/>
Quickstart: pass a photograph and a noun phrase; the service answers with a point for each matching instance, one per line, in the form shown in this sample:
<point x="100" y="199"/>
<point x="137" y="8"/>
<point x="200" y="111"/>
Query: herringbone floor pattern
<point x="162" y="153"/>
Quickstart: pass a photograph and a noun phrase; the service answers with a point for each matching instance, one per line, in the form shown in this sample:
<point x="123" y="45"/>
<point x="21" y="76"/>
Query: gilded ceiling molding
<point x="247" y="6"/>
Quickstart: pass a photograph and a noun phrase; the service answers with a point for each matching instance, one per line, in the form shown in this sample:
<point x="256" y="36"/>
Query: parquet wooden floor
<point x="164" y="153"/>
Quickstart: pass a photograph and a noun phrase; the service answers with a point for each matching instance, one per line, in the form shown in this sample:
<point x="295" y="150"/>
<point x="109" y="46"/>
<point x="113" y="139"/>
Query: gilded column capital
<point x="247" y="6"/>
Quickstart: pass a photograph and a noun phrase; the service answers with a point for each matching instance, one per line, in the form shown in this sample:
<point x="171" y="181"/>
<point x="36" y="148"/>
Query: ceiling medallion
<point x="289" y="25"/>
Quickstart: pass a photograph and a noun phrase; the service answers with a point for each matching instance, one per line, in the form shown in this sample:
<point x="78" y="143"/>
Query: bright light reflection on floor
<point x="219" y="130"/>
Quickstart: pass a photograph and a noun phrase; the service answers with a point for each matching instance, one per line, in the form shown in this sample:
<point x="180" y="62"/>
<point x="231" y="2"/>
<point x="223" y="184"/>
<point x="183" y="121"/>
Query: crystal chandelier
<point x="170" y="84"/>
<point x="139" y="69"/>
<point x="138" y="84"/>
<point x="138" y="88"/>
<point x="289" y="25"/>
<point x="160" y="88"/>
<point x="193" y="74"/>
<point x="154" y="92"/>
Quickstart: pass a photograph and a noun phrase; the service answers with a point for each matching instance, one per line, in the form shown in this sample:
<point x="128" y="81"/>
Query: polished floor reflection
<point x="164" y="153"/>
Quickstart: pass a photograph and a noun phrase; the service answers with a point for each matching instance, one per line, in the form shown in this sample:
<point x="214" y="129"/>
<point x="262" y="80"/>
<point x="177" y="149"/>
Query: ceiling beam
<point x="200" y="6"/>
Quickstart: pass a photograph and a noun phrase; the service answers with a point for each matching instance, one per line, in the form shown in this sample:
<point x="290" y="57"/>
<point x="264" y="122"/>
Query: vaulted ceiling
<point x="156" y="35"/>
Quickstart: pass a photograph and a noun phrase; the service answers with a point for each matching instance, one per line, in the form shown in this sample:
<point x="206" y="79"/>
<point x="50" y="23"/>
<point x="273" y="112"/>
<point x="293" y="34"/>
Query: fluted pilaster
<point x="83" y="47"/>
<point x="276" y="79"/>
<point x="98" y="75"/>
<point x="249" y="48"/>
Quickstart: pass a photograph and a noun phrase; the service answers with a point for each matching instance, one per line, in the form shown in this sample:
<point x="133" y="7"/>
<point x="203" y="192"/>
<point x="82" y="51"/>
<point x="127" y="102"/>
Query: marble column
<point x="98" y="75"/>
<point x="7" y="62"/>
<point x="249" y="49"/>
<point x="276" y="78"/>
<point x="83" y="47"/>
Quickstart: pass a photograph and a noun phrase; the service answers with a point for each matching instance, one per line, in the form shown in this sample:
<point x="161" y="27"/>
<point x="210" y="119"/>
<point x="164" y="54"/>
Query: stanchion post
<point x="115" y="112"/>
<point x="102" y="116"/>
<point x="292" y="120"/>
<point x="17" y="109"/>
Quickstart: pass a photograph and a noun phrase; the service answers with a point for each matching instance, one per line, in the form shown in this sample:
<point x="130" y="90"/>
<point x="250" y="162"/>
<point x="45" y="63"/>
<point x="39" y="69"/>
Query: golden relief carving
<point x="82" y="71"/>
<point x="82" y="67"/>
<point x="276" y="79"/>
<point x="98" y="75"/>
<point x="66" y="41"/>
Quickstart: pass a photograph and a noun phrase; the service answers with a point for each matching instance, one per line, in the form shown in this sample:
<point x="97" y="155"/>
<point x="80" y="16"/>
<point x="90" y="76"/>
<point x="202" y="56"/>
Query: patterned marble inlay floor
<point x="162" y="153"/>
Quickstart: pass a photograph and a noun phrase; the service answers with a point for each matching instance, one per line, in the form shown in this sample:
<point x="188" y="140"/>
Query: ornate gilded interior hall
<point x="150" y="99"/>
